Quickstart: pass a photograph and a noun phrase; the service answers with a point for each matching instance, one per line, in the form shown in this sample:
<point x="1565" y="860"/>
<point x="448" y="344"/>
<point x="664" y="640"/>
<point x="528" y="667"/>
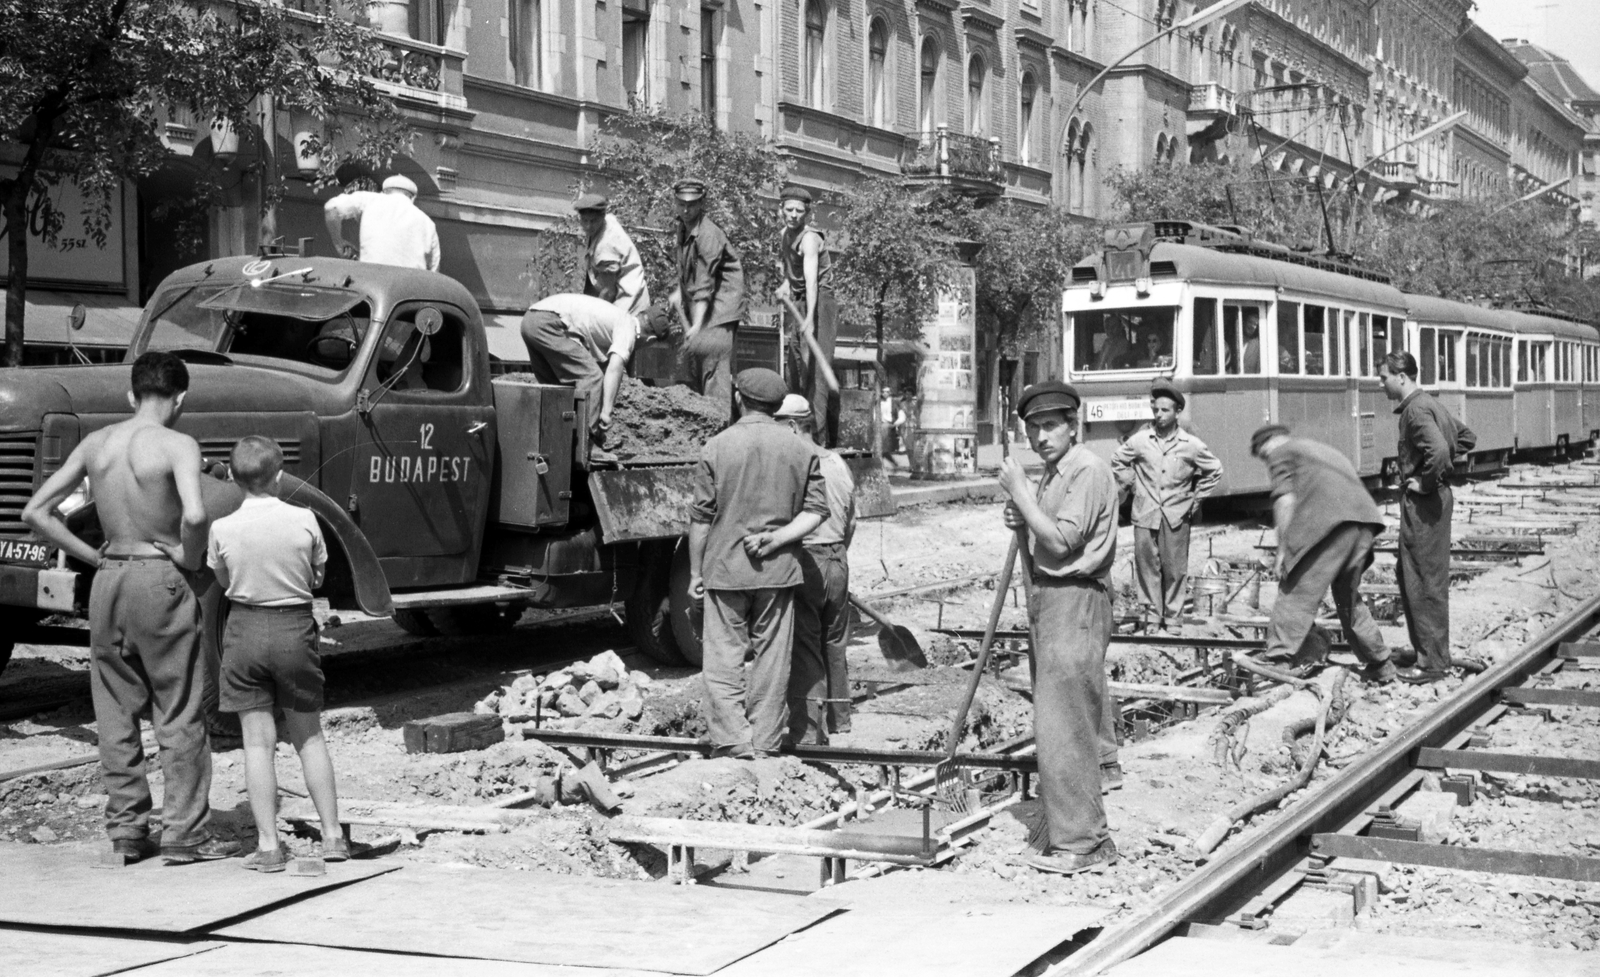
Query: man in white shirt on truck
<point x="393" y="230"/>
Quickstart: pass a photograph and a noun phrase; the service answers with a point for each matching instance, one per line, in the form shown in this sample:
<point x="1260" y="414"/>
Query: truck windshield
<point x="1104" y="340"/>
<point x="311" y="330"/>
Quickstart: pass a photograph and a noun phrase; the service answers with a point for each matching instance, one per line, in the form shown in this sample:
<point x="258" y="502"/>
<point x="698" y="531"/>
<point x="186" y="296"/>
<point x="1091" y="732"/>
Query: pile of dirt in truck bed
<point x="662" y="421"/>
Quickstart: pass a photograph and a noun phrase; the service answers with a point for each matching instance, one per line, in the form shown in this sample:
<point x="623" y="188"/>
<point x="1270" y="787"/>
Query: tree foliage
<point x="895" y="251"/>
<point x="1027" y="255"/>
<point x="86" y="87"/>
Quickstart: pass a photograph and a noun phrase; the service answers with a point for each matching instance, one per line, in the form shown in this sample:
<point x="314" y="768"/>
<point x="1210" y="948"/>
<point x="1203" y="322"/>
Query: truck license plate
<point x="22" y="551"/>
<point x="1116" y="409"/>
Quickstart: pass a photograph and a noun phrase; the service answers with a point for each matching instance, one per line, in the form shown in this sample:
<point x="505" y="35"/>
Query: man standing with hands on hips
<point x="1071" y="541"/>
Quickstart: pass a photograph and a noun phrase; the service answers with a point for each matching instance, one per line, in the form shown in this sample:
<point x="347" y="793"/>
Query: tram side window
<point x="1427" y="356"/>
<point x="1472" y="360"/>
<point x="1380" y="343"/>
<point x="1288" y="337"/>
<point x="1502" y="376"/>
<point x="1241" y="339"/>
<point x="1207" y="338"/>
<point x="1362" y="367"/>
<point x="1448" y="343"/>
<point x="1342" y="362"/>
<point x="1123" y="339"/>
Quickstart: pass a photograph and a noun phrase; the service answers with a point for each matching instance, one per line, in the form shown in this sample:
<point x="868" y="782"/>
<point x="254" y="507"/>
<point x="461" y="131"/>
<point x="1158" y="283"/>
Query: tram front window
<point x="1123" y="339"/>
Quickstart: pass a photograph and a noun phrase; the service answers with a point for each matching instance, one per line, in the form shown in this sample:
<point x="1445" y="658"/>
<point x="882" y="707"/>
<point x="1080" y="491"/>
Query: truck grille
<point x="16" y="480"/>
<point x="220" y="449"/>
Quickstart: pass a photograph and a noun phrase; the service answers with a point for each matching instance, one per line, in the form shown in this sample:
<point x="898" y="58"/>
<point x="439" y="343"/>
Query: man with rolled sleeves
<point x="612" y="269"/>
<point x="803" y="266"/>
<point x="1169" y="471"/>
<point x="1430" y="438"/>
<point x="1326" y="524"/>
<point x="1071" y="526"/>
<point x="709" y="294"/>
<point x="758" y="492"/>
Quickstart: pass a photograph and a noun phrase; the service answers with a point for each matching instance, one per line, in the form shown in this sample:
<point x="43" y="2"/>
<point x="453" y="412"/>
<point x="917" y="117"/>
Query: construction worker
<point x="393" y="230"/>
<point x="612" y="268"/>
<point x="1071" y="528"/>
<point x="1430" y="438"/>
<point x="1169" y="471"/>
<point x="758" y="492"/>
<point x="819" y="681"/>
<point x="1326" y="523"/>
<point x="803" y="267"/>
<point x="709" y="294"/>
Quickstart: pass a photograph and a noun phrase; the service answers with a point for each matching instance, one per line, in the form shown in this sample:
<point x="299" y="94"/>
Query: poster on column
<point x="76" y="258"/>
<point x="947" y="419"/>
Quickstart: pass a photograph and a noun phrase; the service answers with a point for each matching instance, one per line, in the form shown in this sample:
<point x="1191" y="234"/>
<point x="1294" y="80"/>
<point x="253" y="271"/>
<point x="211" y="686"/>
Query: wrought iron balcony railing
<point x="946" y="154"/>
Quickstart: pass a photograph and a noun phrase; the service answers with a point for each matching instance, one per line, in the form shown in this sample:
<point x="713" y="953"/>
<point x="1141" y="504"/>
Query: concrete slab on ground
<point x="74" y="955"/>
<point x="908" y="492"/>
<point x="1370" y="955"/>
<point x="278" y="959"/>
<point x="60" y="885"/>
<point x="531" y="917"/>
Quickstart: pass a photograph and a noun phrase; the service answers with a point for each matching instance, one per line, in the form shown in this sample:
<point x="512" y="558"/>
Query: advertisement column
<point x="946" y="424"/>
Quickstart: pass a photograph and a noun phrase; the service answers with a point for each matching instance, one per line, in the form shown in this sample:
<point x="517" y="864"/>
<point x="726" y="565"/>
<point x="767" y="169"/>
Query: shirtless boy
<point x="144" y="614"/>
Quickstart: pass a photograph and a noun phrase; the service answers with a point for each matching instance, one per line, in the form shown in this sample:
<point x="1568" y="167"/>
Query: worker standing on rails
<point x="1169" y="471"/>
<point x="1430" y="438"/>
<point x="804" y="266"/>
<point x="1326" y="524"/>
<point x="709" y="296"/>
<point x="1071" y="528"/>
<point x="758" y="492"/>
<point x="394" y="231"/>
<point x="612" y="268"/>
<point x="819" y="679"/>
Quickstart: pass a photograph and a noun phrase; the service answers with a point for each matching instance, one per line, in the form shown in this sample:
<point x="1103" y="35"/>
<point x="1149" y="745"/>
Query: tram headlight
<point x="1097" y="289"/>
<point x="1142" y="286"/>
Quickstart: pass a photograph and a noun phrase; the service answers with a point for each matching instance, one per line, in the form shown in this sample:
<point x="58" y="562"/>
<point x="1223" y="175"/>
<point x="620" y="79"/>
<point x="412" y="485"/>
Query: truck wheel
<point x="686" y="614"/>
<point x="649" y="607"/>
<point x="415" y="621"/>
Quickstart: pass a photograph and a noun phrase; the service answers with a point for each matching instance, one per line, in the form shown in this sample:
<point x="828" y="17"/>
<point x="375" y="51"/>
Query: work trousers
<point x="1424" y="574"/>
<point x="1161" y="567"/>
<point x="708" y="358"/>
<point x="144" y="634"/>
<point x="557" y="358"/>
<point x="819" y="681"/>
<point x="805" y="376"/>
<point x="747" y="712"/>
<point x="1338" y="561"/>
<point x="1071" y="622"/>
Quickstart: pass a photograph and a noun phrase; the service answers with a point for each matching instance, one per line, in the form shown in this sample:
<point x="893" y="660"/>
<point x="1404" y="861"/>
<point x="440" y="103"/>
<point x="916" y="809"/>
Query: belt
<point x="824" y="547"/>
<point x="1040" y="580"/>
<point x="268" y="609"/>
<point x="137" y="561"/>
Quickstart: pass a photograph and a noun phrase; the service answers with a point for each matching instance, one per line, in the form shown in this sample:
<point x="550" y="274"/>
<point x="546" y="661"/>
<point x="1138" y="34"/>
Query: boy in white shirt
<point x="269" y="556"/>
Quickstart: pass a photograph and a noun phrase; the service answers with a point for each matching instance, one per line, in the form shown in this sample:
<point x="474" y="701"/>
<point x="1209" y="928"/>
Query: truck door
<point x="425" y="455"/>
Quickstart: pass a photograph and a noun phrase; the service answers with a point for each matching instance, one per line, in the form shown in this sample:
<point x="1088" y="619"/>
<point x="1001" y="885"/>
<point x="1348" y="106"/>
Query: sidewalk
<point x="979" y="488"/>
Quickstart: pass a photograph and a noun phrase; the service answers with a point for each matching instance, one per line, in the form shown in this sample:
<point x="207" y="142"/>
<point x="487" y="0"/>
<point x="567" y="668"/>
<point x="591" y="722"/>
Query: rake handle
<point x="1002" y="586"/>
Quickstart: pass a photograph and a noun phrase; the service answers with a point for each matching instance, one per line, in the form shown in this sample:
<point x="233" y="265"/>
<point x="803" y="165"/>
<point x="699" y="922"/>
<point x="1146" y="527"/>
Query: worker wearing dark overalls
<point x="1071" y="527"/>
<point x="1430" y="437"/>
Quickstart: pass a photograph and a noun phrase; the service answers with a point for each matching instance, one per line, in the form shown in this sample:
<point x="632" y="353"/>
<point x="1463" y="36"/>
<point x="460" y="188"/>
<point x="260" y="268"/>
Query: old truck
<point x="451" y="498"/>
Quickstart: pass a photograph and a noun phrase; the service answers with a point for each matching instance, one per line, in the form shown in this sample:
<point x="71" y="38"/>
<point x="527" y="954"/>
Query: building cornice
<point x="981" y="19"/>
<point x="1033" y="37"/>
<point x="1259" y="12"/>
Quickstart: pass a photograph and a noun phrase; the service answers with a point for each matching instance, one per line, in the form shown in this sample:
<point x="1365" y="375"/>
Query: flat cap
<point x="657" y="320"/>
<point x="761" y="384"/>
<point x="592" y="201"/>
<point x="398" y="182"/>
<point x="691" y="189"/>
<point x="793" y="192"/>
<point x="1265" y="433"/>
<point x="1047" y="396"/>
<point x="1163" y="388"/>
<point x="795" y="406"/>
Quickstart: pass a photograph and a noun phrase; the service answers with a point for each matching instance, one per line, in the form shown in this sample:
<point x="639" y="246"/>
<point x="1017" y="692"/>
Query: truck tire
<point x="458" y="620"/>
<point x="649" y="608"/>
<point x="684" y="612"/>
<point x="12" y="620"/>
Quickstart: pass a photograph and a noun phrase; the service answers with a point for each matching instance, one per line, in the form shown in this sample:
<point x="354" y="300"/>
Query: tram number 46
<point x="1116" y="409"/>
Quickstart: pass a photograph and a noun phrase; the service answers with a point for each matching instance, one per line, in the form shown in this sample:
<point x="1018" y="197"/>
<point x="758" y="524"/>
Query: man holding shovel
<point x="1070" y="537"/>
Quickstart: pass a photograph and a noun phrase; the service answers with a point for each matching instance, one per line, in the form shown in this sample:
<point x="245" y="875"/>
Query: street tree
<point x="86" y="86"/>
<point x="1027" y="256"/>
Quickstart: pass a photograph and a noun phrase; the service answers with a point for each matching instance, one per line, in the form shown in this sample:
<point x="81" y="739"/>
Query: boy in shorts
<point x="268" y="557"/>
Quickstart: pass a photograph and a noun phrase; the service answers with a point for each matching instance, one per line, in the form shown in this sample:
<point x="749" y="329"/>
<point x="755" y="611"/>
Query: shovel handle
<point x="861" y="606"/>
<point x="817" y="356"/>
<point x="1002" y="586"/>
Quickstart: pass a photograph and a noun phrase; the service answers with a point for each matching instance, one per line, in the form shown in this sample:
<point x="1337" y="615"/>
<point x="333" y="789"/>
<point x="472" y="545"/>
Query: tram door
<point x="1369" y="340"/>
<point x="1314" y="375"/>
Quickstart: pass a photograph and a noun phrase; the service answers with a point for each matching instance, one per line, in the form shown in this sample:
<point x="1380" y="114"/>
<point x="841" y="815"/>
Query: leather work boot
<point x="209" y="850"/>
<point x="1379" y="673"/>
<point x="1067" y="863"/>
<point x="1420" y="676"/>
<point x="132" y="850"/>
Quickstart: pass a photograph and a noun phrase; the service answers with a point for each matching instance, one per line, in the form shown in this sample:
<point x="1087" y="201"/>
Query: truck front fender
<point x="371" y="586"/>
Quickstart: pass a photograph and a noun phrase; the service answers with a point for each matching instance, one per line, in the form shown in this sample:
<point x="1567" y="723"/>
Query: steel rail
<point x="825" y="754"/>
<point x="1223" y="884"/>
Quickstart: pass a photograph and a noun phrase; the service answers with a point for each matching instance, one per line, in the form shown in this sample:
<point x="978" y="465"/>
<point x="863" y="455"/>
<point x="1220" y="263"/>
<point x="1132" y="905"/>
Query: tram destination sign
<point x="1116" y="409"/>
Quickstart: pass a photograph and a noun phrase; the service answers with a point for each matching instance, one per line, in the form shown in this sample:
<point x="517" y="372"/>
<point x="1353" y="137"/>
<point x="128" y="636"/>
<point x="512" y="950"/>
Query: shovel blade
<point x="899" y="645"/>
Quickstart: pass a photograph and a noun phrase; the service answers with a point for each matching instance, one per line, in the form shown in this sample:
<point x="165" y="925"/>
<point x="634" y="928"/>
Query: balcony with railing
<point x="1401" y="174"/>
<point x="969" y="164"/>
<point x="1212" y="99"/>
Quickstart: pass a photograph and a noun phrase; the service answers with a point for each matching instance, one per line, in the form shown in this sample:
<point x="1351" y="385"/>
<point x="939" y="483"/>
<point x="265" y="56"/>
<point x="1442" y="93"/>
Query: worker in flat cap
<point x="1168" y="470"/>
<point x="758" y="492"/>
<point x="393" y="231"/>
<point x="612" y="268"/>
<point x="803" y="266"/>
<point x="819" y="679"/>
<point x="1326" y="523"/>
<point x="1068" y="528"/>
<point x="709" y="293"/>
<point x="586" y="342"/>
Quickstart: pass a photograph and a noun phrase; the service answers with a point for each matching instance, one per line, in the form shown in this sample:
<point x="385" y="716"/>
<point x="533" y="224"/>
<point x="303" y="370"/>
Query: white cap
<point x="794" y="406"/>
<point x="398" y="182"/>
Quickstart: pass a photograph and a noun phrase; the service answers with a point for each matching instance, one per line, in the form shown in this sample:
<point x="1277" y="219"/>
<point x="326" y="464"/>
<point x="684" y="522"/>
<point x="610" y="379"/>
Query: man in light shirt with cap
<point x="612" y="268"/>
<point x="393" y="230"/>
<point x="758" y="491"/>
<point x="1070" y="523"/>
<point x="819" y="680"/>
<point x="1169" y="471"/>
<point x="709" y="294"/>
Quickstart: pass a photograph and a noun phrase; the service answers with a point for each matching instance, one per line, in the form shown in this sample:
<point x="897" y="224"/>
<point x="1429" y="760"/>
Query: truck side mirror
<point x="76" y="317"/>
<point x="429" y="320"/>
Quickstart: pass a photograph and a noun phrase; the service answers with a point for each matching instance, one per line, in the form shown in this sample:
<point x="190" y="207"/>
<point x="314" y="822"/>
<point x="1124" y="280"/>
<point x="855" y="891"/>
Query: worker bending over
<point x="394" y="231"/>
<point x="1169" y="471"/>
<point x="1070" y="544"/>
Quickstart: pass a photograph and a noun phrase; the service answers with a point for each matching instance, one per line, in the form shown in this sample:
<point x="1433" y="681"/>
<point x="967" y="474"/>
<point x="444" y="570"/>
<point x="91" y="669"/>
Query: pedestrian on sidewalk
<point x="1430" y="439"/>
<point x="1071" y="528"/>
<point x="709" y="295"/>
<point x="803" y="267"/>
<point x="144" y="612"/>
<point x="268" y="557"/>
<point x="1326" y="523"/>
<point x="612" y="269"/>
<point x="393" y="230"/>
<point x="758" y="492"/>
<point x="1168" y="470"/>
<point x="819" y="679"/>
